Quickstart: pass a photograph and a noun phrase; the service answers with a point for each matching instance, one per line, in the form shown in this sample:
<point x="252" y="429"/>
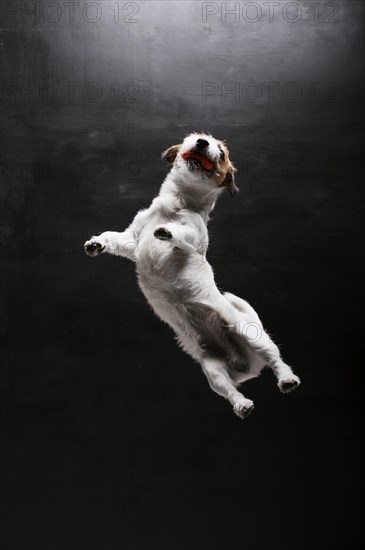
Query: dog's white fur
<point x="168" y="242"/>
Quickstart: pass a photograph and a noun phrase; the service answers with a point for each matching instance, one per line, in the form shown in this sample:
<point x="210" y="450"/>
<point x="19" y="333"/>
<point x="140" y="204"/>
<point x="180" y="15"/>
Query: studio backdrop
<point x="111" y="437"/>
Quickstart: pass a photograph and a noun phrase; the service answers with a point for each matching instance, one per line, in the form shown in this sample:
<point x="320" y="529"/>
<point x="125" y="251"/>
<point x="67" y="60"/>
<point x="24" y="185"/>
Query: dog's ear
<point x="229" y="182"/>
<point x="170" y="154"/>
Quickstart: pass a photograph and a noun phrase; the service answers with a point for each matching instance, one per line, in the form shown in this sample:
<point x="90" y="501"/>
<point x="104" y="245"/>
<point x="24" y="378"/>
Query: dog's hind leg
<point x="263" y="345"/>
<point x="242" y="306"/>
<point x="244" y="321"/>
<point x="215" y="369"/>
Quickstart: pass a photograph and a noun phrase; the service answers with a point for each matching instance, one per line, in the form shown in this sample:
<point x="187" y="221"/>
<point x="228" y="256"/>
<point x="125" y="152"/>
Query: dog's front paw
<point x="244" y="408"/>
<point x="93" y="247"/>
<point x="289" y="383"/>
<point x="162" y="233"/>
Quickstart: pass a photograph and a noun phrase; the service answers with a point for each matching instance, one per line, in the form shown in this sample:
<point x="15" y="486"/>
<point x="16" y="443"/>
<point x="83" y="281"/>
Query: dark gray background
<point x="111" y="435"/>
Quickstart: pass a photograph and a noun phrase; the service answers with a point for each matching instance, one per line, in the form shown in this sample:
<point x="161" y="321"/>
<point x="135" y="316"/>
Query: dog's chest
<point x="164" y="271"/>
<point x="162" y="258"/>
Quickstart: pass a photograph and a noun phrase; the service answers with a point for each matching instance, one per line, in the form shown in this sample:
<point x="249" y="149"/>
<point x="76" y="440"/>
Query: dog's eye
<point x="222" y="155"/>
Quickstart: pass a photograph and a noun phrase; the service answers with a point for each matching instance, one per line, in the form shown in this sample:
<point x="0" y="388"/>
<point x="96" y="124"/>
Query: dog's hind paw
<point x="289" y="383"/>
<point x="243" y="409"/>
<point x="93" y="247"/>
<point x="162" y="233"/>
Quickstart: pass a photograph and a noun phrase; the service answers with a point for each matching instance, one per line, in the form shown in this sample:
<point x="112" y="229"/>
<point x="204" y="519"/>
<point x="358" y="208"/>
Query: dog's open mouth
<point x="196" y="160"/>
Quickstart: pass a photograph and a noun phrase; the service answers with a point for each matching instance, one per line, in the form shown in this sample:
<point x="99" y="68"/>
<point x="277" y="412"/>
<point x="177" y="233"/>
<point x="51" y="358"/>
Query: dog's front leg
<point x="179" y="235"/>
<point x="119" y="244"/>
<point x="219" y="380"/>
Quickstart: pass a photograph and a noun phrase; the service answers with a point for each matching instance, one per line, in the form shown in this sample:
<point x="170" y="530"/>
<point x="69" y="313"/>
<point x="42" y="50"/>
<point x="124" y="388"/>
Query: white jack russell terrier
<point x="168" y="242"/>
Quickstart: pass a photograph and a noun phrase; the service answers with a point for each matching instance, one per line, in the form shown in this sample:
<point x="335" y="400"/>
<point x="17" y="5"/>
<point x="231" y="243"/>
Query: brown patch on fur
<point x="171" y="153"/>
<point x="224" y="173"/>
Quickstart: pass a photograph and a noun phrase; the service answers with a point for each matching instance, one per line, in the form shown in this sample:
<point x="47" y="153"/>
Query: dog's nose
<point x="202" y="143"/>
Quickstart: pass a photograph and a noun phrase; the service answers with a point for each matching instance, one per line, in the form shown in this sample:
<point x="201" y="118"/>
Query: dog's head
<point x="204" y="160"/>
